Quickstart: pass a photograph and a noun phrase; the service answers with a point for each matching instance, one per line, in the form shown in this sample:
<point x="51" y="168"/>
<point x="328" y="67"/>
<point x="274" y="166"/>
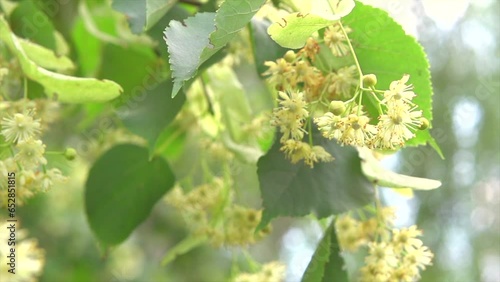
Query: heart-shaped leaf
<point x="121" y="190"/>
<point x="297" y="190"/>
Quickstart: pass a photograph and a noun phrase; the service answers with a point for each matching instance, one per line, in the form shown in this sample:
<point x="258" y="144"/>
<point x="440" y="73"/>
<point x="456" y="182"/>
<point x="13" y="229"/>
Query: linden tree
<point x="228" y="114"/>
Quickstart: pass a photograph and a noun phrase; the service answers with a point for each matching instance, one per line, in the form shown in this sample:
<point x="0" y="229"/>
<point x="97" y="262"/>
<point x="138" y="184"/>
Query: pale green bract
<point x="331" y="9"/>
<point x="68" y="89"/>
<point x="293" y="30"/>
<point x="46" y="58"/>
<point x="376" y="173"/>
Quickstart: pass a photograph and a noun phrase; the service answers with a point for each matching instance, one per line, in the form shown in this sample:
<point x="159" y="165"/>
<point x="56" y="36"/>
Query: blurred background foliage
<point x="461" y="220"/>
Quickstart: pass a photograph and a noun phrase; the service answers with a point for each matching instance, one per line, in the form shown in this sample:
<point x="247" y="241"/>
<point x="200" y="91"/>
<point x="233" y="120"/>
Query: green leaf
<point x="185" y="44"/>
<point x="171" y="142"/>
<point x="152" y="113"/>
<point x="384" y="49"/>
<point x="30" y="22"/>
<point x="197" y="39"/>
<point x="87" y="49"/>
<point x="296" y="189"/>
<point x="327" y="262"/>
<point x="121" y="190"/>
<point x="143" y="14"/>
<point x="46" y="58"/>
<point x="294" y="29"/>
<point x="232" y="16"/>
<point x="264" y="48"/>
<point x="383" y="177"/>
<point x="67" y="88"/>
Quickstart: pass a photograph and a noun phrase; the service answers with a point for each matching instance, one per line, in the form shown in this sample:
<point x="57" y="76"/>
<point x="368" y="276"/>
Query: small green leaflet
<point x="380" y="176"/>
<point x="68" y="89"/>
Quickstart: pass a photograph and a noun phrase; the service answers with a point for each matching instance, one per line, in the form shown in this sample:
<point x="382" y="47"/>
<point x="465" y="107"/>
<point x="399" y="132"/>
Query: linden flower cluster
<point x="21" y="131"/>
<point x="396" y="124"/>
<point x="208" y="211"/>
<point x="302" y="87"/>
<point x="290" y="118"/>
<point x="393" y="254"/>
<point x="297" y="70"/>
<point x="30" y="257"/>
<point x="270" y="272"/>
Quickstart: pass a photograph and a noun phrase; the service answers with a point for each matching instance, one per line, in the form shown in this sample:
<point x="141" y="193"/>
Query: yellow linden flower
<point x="20" y="127"/>
<point x="397" y="126"/>
<point x="403" y="274"/>
<point x="406" y="237"/>
<point x="345" y="224"/>
<point x="350" y="233"/>
<point x="418" y="256"/>
<point x="342" y="82"/>
<point x="336" y="40"/>
<point x="240" y="225"/>
<point x="378" y="272"/>
<point x="30" y="154"/>
<point x="290" y="116"/>
<point x="369" y="227"/>
<point x="280" y="72"/>
<point x="330" y="125"/>
<point x="381" y="253"/>
<point x="399" y="91"/>
<point x="358" y="131"/>
<point x="298" y="150"/>
<point x="310" y="49"/>
<point x="321" y="154"/>
<point x="294" y="102"/>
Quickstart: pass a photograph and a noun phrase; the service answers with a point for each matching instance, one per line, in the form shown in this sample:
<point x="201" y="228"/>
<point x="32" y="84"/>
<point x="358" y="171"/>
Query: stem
<point x="361" y="214"/>
<point x="359" y="103"/>
<point x="353" y="55"/>
<point x="205" y="93"/>
<point x="378" y="206"/>
<point x="309" y="125"/>
<point x="252" y="264"/>
<point x="54" y="153"/>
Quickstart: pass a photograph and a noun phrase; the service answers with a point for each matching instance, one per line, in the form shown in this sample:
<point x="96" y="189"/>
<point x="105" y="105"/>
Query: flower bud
<point x="369" y="80"/>
<point x="70" y="154"/>
<point x="337" y="107"/>
<point x="424" y="123"/>
<point x="289" y="56"/>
